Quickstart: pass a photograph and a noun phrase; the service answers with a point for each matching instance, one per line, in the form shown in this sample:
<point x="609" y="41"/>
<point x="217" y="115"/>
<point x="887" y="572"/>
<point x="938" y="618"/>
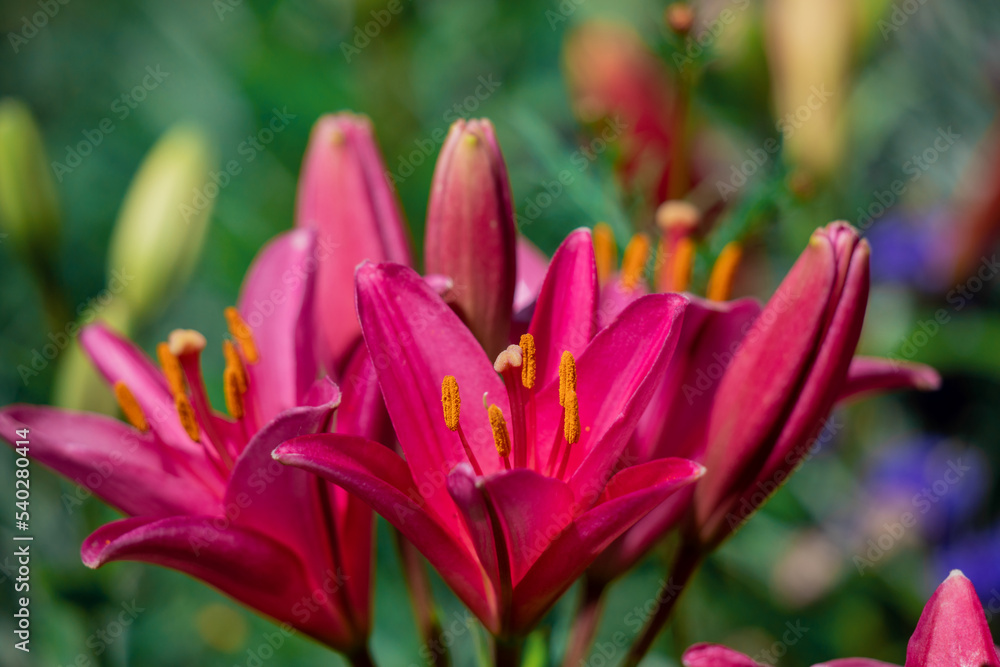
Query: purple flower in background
<point x="915" y="249"/>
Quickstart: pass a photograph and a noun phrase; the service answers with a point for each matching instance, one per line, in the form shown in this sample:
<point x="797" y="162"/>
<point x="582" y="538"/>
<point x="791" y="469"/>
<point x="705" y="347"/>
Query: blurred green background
<point x="231" y="65"/>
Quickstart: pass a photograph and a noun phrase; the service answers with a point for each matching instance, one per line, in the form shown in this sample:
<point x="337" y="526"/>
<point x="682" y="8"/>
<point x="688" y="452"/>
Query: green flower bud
<point x="162" y="222"/>
<point x="29" y="211"/>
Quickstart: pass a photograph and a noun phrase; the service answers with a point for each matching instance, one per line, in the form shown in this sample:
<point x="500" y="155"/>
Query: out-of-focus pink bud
<point x="613" y="75"/>
<point x="345" y="194"/>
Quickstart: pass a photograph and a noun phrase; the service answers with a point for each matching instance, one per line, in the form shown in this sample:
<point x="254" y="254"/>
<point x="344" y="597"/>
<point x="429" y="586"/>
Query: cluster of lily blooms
<point x="521" y="421"/>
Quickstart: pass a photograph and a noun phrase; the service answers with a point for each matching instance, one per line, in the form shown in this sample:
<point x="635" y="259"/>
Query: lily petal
<point x="533" y="510"/>
<point x="630" y="495"/>
<point x="473" y="505"/>
<point x="564" y="317"/>
<point x="242" y="563"/>
<point x="379" y="476"/>
<point x="675" y="422"/>
<point x="714" y="655"/>
<point x="855" y="662"/>
<point x="361" y="413"/>
<point x="415" y="340"/>
<point x="276" y="302"/>
<point x="615" y="297"/>
<point x="531" y="267"/>
<point x="952" y="629"/>
<point x="285" y="503"/>
<point x="784" y="378"/>
<point x="129" y="470"/>
<point x="118" y="360"/>
<point x="871" y="374"/>
<point x="617" y="374"/>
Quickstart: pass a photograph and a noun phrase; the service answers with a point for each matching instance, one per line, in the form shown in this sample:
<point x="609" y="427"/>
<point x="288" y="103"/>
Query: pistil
<point x="509" y="364"/>
<point x="185" y="346"/>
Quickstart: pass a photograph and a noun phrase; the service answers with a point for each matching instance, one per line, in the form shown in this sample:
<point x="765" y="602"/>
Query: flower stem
<point x="360" y="658"/>
<point x="422" y="599"/>
<point x="506" y="652"/>
<point x="687" y="562"/>
<point x="586" y="622"/>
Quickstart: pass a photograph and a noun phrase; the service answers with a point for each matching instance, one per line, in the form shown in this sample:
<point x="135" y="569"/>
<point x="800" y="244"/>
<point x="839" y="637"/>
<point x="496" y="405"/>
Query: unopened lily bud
<point x="345" y="195"/>
<point x="29" y="210"/>
<point x="779" y="388"/>
<point x="77" y="384"/>
<point x="809" y="50"/>
<point x="162" y="222"/>
<point x="679" y="17"/>
<point x="613" y="75"/>
<point x="470" y="234"/>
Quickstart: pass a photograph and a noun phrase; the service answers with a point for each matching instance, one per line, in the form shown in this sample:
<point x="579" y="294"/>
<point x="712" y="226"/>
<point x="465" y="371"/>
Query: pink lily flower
<point x="512" y="498"/>
<point x="792" y="366"/>
<point x="757" y="400"/>
<point x="473" y="254"/>
<point x="200" y="490"/>
<point x="708" y="390"/>
<point x="952" y="631"/>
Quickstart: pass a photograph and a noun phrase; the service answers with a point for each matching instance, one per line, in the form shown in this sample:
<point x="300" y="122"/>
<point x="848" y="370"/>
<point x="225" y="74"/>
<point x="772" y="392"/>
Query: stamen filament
<point x="720" y="282"/>
<point x="558" y="442"/>
<point x="130" y="407"/>
<point x="571" y="429"/>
